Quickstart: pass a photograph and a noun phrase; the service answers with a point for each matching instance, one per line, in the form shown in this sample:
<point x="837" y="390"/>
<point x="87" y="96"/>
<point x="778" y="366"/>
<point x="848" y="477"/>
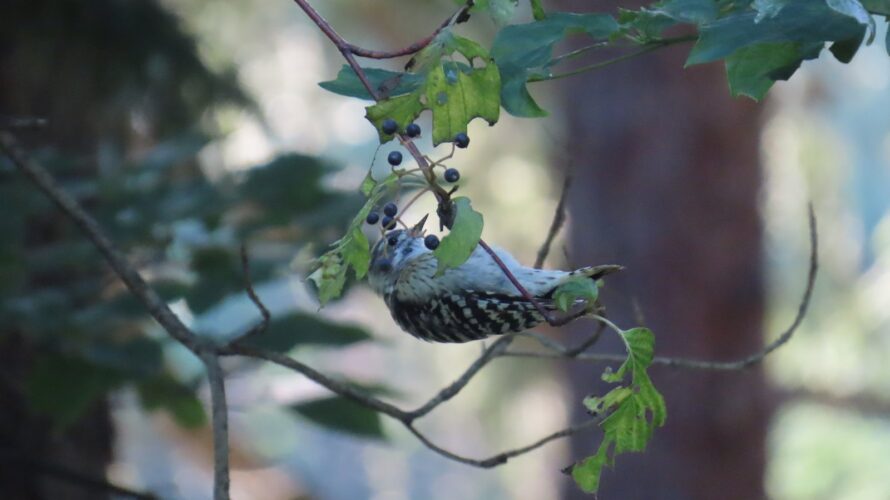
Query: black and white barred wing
<point x="466" y="303"/>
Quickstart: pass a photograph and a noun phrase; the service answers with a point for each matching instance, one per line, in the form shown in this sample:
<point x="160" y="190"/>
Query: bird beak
<point x="417" y="230"/>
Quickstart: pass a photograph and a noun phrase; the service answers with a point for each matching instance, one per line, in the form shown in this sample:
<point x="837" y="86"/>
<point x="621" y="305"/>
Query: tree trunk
<point x="666" y="184"/>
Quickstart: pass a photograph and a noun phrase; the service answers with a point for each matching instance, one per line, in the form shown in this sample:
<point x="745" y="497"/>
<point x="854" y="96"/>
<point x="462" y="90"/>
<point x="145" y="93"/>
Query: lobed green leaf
<point x="524" y="49"/>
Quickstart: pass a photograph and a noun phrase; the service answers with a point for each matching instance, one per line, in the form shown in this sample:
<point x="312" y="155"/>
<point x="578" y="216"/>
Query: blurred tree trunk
<point x="666" y="183"/>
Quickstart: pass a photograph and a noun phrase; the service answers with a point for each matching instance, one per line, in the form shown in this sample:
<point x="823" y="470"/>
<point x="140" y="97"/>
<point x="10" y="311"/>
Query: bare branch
<point x="341" y="388"/>
<point x="219" y="412"/>
<point x="491" y="352"/>
<point x="503" y="457"/>
<point x="558" y="351"/>
<point x="559" y="218"/>
<point x="458" y="17"/>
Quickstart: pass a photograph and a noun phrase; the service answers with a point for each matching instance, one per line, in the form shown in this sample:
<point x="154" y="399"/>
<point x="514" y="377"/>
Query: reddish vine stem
<point x="349" y="51"/>
<point x="417" y="46"/>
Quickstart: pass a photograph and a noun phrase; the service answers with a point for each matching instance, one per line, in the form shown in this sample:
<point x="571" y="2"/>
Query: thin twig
<point x="219" y="413"/>
<point x="503" y="457"/>
<point x="414" y="47"/>
<point x="491" y="352"/>
<point x="346" y="49"/>
<point x="559" y="218"/>
<point x="602" y="64"/>
<point x="248" y="286"/>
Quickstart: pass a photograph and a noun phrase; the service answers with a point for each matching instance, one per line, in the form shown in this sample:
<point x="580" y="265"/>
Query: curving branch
<point x="559" y="351"/>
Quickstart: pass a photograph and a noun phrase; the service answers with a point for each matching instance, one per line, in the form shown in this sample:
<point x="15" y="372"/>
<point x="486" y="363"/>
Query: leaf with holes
<point x="455" y="92"/>
<point x="637" y="408"/>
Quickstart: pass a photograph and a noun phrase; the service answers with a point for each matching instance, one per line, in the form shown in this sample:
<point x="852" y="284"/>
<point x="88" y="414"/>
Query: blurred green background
<point x="188" y="127"/>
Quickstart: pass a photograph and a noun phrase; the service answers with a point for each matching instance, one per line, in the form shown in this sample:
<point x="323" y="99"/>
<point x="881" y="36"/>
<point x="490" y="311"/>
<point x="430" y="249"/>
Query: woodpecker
<point x="469" y="302"/>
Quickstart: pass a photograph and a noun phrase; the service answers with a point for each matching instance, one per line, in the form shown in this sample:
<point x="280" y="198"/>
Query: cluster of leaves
<point x="634" y="409"/>
<point x="81" y="334"/>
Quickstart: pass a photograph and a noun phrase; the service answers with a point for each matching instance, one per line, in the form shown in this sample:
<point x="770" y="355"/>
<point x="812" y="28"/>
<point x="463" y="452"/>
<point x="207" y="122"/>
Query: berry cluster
<point x="390" y="210"/>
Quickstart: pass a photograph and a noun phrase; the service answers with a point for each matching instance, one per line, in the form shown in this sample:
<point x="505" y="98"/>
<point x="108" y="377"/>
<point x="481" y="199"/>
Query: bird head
<point x="392" y="253"/>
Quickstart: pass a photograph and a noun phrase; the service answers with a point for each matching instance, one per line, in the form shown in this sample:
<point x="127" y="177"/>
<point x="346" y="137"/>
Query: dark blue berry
<point x="431" y="241"/>
<point x="388" y="222"/>
<point x="389" y="126"/>
<point x="384" y="265"/>
<point x="452" y="175"/>
<point x="462" y="140"/>
<point x="394" y="158"/>
<point x="373" y="217"/>
<point x="413" y="130"/>
<point x="390" y="209"/>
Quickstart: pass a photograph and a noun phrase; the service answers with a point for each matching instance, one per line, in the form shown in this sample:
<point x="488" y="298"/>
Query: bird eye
<point x="393" y="240"/>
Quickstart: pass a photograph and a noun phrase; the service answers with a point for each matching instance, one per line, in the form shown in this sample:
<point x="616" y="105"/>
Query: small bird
<point x="468" y="302"/>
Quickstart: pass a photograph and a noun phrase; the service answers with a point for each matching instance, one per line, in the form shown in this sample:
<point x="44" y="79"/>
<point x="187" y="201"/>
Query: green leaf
<point x="753" y="70"/>
<point x="636" y="410"/>
<point x="844" y="50"/>
<point x="352" y="250"/>
<point x="688" y="11"/>
<point x="330" y="276"/>
<point x="573" y="290"/>
<point x="538" y="10"/>
<point x="457" y="246"/>
<point x="342" y="415"/>
<point x="403" y="109"/>
<point x="286" y="332"/>
<point x="64" y="388"/>
<point x="390" y="83"/>
<point x="456" y="98"/>
<point x="881" y="7"/>
<point x="454" y="92"/>
<point x="803" y="21"/>
<point x="768" y="8"/>
<point x="169" y="394"/>
<point x="501" y="11"/>
<point x="524" y="49"/>
<point x="855" y="10"/>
